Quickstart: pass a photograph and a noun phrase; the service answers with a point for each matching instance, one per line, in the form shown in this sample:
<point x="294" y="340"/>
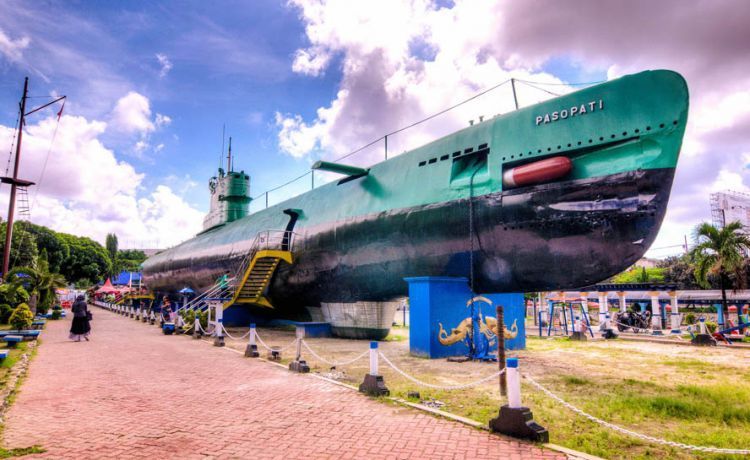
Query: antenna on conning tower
<point x="229" y="156"/>
<point x="223" y="136"/>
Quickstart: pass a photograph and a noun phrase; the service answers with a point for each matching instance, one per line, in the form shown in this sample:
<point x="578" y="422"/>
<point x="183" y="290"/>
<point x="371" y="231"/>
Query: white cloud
<point x="13" y="49"/>
<point x="86" y="190"/>
<point x="401" y="61"/>
<point x="132" y="114"/>
<point x="162" y="120"/>
<point x="165" y="63"/>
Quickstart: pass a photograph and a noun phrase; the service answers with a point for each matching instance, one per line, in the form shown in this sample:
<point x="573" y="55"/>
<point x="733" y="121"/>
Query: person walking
<point x="81" y="328"/>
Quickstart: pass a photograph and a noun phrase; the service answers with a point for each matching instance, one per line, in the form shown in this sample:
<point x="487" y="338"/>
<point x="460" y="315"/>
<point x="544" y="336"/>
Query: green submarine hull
<point x="445" y="209"/>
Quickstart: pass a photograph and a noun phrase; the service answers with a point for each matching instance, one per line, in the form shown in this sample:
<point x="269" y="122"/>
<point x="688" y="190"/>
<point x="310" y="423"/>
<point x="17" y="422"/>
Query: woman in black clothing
<point x="80" y="327"/>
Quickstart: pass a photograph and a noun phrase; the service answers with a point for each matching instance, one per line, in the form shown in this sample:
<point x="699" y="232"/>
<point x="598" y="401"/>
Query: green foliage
<point x="640" y="275"/>
<point x="88" y="259"/>
<point x="690" y="318"/>
<point x="719" y="251"/>
<point x="23" y="250"/>
<point x="680" y="271"/>
<point x="711" y="326"/>
<point x="22" y="317"/>
<point x="189" y="318"/>
<point x="48" y="241"/>
<point x="13" y="293"/>
<point x="39" y="281"/>
<point x="110" y="244"/>
<point x="83" y="283"/>
<point x="130" y="260"/>
<point x="5" y="312"/>
<point x="56" y="314"/>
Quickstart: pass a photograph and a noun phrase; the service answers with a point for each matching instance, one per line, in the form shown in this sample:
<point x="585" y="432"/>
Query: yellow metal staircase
<point x="253" y="282"/>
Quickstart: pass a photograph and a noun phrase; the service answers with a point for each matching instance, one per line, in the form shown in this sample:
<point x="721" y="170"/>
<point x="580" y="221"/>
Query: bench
<point x="3" y="355"/>
<point x="38" y="324"/>
<point x="12" y="340"/>
<point x="29" y="333"/>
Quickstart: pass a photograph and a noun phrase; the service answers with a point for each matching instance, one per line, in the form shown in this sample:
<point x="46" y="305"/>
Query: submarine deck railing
<point x="264" y="240"/>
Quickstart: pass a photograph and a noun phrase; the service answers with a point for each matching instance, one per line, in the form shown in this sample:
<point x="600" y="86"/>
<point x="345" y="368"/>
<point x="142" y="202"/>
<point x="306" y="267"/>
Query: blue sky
<point x="150" y="85"/>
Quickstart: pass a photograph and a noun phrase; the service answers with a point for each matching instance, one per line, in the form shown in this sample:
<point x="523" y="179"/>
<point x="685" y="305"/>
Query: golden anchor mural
<point x="487" y="327"/>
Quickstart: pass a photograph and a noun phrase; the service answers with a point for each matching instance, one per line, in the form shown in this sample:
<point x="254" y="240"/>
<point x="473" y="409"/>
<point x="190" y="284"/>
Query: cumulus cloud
<point x="132" y="114"/>
<point x="401" y="61"/>
<point x="85" y="190"/>
<point x="13" y="49"/>
<point x="165" y="63"/>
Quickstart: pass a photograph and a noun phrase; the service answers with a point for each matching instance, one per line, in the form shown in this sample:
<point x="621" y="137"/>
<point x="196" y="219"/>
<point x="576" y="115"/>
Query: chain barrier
<point x="333" y="363"/>
<point x="263" y="344"/>
<point x="622" y="430"/>
<point x="441" y="387"/>
<point x="233" y="337"/>
<point x="205" y="332"/>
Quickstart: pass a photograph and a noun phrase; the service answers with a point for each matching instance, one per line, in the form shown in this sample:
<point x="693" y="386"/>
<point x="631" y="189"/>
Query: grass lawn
<point x="698" y="396"/>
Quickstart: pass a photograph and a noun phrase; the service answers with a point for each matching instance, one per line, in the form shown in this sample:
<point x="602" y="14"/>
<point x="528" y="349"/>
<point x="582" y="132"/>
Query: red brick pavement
<point x="134" y="393"/>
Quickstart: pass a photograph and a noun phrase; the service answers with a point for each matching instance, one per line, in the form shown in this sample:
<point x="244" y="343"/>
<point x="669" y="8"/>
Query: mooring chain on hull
<point x="441" y="387"/>
<point x="717" y="450"/>
<point x="333" y="363"/>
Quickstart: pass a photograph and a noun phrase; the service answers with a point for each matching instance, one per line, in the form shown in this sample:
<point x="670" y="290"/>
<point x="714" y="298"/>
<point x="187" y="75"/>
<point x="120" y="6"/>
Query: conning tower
<point x="230" y="198"/>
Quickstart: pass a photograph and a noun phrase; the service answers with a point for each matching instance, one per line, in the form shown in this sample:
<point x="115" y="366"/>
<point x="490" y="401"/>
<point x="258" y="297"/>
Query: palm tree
<point x="40" y="283"/>
<point x="720" y="252"/>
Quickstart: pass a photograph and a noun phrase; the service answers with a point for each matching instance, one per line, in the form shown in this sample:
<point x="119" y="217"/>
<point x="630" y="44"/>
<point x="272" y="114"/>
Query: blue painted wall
<point x="436" y="301"/>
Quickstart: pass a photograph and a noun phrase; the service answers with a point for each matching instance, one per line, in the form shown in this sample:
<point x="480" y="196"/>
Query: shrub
<point x="189" y="318"/>
<point x="21" y="318"/>
<point x="711" y="326"/>
<point x="690" y="318"/>
<point x="56" y="314"/>
<point x="5" y="312"/>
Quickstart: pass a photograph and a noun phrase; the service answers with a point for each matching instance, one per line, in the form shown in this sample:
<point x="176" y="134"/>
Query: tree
<point x="720" y="252"/>
<point x="88" y="259"/>
<point x="21" y="318"/>
<point x="111" y="245"/>
<point x="680" y="270"/>
<point x="48" y="240"/>
<point x="40" y="283"/>
<point x="23" y="251"/>
<point x="130" y="259"/>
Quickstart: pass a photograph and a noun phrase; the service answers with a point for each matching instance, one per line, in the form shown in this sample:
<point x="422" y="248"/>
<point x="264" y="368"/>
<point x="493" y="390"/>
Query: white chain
<point x="441" y="387"/>
<point x="633" y="433"/>
<point x="233" y="337"/>
<point x="205" y="332"/>
<point x="263" y="344"/>
<point x="333" y="363"/>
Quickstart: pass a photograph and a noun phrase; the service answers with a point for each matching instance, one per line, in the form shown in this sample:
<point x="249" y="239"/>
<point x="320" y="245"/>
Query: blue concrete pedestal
<point x="440" y="316"/>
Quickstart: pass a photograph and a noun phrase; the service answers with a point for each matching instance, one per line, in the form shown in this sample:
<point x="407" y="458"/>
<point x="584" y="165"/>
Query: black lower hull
<point x="553" y="236"/>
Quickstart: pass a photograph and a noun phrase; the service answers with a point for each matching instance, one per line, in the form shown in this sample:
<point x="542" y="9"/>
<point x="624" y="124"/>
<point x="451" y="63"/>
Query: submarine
<point x="557" y="195"/>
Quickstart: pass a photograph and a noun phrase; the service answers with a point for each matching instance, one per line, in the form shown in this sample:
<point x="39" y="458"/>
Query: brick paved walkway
<point x="132" y="392"/>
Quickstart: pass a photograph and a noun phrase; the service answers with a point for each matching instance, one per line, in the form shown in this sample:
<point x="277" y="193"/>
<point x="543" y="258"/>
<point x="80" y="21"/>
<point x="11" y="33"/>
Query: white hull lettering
<point x="573" y="111"/>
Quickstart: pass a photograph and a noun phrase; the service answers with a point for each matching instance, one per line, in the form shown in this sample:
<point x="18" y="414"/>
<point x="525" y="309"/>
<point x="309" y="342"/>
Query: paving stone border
<point x="15" y="377"/>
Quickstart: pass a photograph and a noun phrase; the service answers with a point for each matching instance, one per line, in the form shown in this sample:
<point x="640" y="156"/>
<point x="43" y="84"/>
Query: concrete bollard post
<point x="374" y="385"/>
<point x="299" y="364"/>
<point x="514" y="419"/>
<point x="656" y="326"/>
<point x="197" y="333"/>
<point x="152" y="319"/>
<point x="251" y="351"/>
<point x="602" y="312"/>
<point x="579" y="330"/>
<point x="703" y="338"/>
<point x="609" y="333"/>
<point x="675" y="313"/>
<point x="219" y="329"/>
